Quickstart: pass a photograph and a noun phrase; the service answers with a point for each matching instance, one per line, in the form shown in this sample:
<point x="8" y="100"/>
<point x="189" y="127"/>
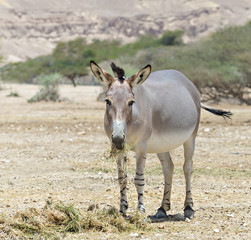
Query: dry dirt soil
<point x="54" y="151"/>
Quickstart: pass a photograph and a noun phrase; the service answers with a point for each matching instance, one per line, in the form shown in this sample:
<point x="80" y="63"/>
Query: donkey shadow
<point x="169" y="218"/>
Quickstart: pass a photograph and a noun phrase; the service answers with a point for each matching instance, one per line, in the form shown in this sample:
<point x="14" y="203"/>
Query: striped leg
<point x="122" y="177"/>
<point x="139" y="179"/>
<point x="167" y="169"/>
<point x="188" y="170"/>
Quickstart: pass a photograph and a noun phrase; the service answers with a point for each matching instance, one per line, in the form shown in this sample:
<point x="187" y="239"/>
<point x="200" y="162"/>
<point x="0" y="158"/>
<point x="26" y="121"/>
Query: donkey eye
<point x="130" y="103"/>
<point x="108" y="102"/>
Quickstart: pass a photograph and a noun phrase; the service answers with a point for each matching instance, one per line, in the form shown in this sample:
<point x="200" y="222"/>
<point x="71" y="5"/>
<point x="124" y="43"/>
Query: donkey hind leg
<point x="167" y="169"/>
<point x="188" y="170"/>
<point x="122" y="177"/>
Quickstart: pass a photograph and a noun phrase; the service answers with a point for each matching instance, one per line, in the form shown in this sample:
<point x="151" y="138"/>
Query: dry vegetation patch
<point x="56" y="219"/>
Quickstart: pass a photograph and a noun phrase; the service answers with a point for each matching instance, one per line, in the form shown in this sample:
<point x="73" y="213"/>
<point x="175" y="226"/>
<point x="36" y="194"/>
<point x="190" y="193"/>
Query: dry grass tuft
<point x="111" y="220"/>
<point x="111" y="155"/>
<point x="56" y="219"/>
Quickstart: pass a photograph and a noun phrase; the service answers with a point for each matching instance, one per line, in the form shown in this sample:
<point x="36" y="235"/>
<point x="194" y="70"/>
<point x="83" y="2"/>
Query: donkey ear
<point x="140" y="76"/>
<point x="104" y="77"/>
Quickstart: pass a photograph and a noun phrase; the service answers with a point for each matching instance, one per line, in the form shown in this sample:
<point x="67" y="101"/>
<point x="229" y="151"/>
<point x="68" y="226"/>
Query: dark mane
<point x="118" y="72"/>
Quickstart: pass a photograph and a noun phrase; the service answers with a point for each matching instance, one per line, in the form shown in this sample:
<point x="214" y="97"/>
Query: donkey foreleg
<point x="122" y="177"/>
<point x="139" y="179"/>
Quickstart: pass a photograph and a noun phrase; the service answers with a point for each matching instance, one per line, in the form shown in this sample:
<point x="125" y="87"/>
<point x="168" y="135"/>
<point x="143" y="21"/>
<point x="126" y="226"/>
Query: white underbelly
<point x="159" y="143"/>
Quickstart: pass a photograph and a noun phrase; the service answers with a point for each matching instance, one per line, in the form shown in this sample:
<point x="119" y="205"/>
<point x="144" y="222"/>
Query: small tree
<point x="72" y="58"/>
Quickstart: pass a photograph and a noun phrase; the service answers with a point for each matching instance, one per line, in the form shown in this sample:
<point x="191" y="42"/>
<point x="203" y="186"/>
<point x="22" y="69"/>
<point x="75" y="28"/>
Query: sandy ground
<point x="54" y="150"/>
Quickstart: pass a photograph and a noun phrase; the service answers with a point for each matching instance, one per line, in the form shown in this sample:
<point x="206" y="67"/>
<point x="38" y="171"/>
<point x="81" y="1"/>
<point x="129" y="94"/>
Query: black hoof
<point x="188" y="212"/>
<point x="161" y="213"/>
<point x="141" y="208"/>
<point x="123" y="209"/>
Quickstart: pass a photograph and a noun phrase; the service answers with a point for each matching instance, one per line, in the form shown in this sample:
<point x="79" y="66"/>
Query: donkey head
<point x="119" y="100"/>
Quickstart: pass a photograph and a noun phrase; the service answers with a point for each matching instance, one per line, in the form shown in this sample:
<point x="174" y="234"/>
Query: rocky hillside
<point x="29" y="28"/>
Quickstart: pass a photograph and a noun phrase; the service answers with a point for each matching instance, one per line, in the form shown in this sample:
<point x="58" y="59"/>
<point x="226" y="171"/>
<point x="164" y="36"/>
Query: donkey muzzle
<point x="118" y="141"/>
<point x="118" y="134"/>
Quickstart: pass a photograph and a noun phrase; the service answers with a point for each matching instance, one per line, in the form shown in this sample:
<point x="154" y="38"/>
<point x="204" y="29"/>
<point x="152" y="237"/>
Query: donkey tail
<point x="219" y="112"/>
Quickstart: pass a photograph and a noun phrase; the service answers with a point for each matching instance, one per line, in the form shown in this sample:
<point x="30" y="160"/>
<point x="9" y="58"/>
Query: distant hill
<point x="29" y="28"/>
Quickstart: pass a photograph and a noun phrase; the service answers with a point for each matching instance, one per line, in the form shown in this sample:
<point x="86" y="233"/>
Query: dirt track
<point x="53" y="150"/>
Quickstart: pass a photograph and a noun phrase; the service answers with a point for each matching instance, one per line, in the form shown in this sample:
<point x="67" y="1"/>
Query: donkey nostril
<point x="118" y="138"/>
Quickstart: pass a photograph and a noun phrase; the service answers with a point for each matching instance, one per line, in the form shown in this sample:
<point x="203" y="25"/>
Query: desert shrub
<point x="13" y="94"/>
<point x="28" y="70"/>
<point x="71" y="59"/>
<point x="218" y="66"/>
<point x="170" y="38"/>
<point x="49" y="90"/>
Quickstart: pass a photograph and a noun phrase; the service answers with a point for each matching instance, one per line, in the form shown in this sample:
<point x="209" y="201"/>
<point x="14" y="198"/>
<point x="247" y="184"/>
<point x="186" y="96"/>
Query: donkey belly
<point x="172" y="127"/>
<point x="166" y="141"/>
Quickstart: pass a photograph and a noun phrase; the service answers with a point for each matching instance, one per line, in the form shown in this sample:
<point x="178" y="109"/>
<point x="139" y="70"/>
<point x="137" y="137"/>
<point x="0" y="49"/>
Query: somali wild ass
<point x="153" y="116"/>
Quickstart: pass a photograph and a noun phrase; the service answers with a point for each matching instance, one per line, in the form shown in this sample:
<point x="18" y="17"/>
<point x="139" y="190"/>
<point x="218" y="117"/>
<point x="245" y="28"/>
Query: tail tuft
<point x="219" y="112"/>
